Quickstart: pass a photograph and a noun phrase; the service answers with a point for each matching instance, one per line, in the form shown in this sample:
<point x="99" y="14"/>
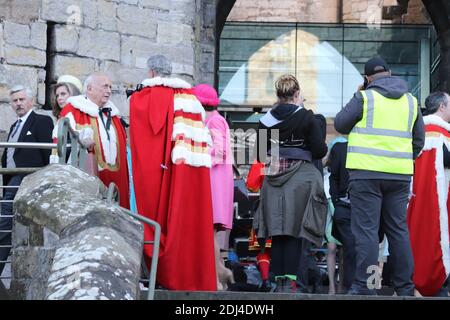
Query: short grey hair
<point x="434" y="101"/>
<point x="160" y="64"/>
<point x="87" y="82"/>
<point x="19" y="88"/>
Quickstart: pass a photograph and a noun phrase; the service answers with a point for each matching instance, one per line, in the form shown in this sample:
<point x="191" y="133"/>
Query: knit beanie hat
<point x="207" y="95"/>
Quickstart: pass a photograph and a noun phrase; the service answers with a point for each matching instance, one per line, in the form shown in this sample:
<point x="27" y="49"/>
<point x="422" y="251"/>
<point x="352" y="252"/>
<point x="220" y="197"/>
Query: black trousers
<point x="6" y="220"/>
<point x="285" y="255"/>
<point x="342" y="223"/>
<point x="373" y="201"/>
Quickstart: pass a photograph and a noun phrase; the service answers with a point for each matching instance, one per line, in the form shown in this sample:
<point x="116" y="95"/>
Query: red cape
<point x="428" y="212"/>
<point x="177" y="196"/>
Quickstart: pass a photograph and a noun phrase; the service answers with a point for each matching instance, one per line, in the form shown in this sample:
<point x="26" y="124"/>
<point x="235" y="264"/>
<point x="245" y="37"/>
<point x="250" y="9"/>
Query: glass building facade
<point x="328" y="60"/>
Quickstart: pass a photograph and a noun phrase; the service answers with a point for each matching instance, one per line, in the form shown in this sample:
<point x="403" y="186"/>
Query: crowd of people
<point x="386" y="178"/>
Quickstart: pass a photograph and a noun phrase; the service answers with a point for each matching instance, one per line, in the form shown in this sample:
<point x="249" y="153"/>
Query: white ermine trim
<point x="191" y="158"/>
<point x="195" y="134"/>
<point x="442" y="184"/>
<point x="166" y="82"/>
<point x="436" y="120"/>
<point x="84" y="104"/>
<point x="189" y="105"/>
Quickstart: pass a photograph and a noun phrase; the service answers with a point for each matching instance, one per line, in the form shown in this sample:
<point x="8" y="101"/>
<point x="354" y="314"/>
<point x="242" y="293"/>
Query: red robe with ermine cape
<point x="428" y="210"/>
<point x="110" y="154"/>
<point x="171" y="167"/>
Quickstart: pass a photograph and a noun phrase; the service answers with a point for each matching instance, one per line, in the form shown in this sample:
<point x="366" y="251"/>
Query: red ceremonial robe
<point x="428" y="210"/>
<point x="171" y="166"/>
<point x="110" y="154"/>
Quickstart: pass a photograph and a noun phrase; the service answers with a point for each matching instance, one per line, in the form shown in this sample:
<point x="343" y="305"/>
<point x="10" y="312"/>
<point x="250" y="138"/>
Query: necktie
<point x="108" y="121"/>
<point x="16" y="128"/>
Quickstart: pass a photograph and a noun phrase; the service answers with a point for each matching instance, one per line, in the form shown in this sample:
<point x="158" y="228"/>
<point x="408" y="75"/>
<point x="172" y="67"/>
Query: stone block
<point x="107" y="12"/>
<point x="98" y="259"/>
<point x="99" y="44"/>
<point x="136" y="21"/>
<point x="38" y="36"/>
<point x="7" y="119"/>
<point x="66" y="38"/>
<point x="170" y="33"/>
<point x="25" y="56"/>
<point x="41" y="94"/>
<point x="14" y="75"/>
<point x="155" y="4"/>
<point x="79" y="67"/>
<point x="25" y="11"/>
<point x="21" y="233"/>
<point x="17" y="34"/>
<point x="126" y="77"/>
<point x="75" y="13"/>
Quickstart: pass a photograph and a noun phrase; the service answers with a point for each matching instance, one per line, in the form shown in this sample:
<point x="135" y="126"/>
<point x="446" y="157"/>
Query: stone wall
<point x="69" y="243"/>
<point x="41" y="40"/>
<point x="329" y="11"/>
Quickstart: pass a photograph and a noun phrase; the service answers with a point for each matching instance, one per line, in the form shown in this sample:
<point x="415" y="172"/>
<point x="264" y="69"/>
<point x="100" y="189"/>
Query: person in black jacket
<point x="29" y="127"/>
<point x="342" y="210"/>
<point x="289" y="139"/>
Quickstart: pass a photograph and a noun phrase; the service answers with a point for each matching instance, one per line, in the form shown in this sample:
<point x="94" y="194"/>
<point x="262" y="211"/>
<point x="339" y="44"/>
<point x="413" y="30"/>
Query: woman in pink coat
<point x="222" y="184"/>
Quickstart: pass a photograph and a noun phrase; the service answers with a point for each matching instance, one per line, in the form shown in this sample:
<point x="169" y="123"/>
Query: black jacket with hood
<point x="390" y="87"/>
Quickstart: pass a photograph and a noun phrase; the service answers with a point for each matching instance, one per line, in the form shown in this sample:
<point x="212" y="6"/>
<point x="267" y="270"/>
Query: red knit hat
<point x="207" y="95"/>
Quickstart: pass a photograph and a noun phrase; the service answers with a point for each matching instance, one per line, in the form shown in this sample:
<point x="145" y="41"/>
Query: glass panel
<point x="328" y="60"/>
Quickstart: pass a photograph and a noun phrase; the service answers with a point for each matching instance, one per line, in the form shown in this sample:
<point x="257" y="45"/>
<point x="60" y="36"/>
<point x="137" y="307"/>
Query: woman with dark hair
<point x="293" y="203"/>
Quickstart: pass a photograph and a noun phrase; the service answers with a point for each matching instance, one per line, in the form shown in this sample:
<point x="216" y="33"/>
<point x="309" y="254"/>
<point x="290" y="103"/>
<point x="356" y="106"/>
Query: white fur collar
<point x="437" y="121"/>
<point x="166" y="82"/>
<point x="85" y="105"/>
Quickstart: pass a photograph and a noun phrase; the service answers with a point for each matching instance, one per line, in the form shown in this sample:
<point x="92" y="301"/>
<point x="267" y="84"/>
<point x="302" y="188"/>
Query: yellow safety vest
<point x="382" y="140"/>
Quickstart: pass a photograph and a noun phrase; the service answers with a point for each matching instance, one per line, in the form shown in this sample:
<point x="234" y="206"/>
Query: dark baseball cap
<point x="375" y="65"/>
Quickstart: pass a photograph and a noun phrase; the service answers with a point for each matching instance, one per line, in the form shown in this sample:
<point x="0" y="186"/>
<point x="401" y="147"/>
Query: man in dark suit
<point x="29" y="127"/>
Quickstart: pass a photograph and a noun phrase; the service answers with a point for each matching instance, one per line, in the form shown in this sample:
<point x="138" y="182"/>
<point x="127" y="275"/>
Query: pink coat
<point x="222" y="183"/>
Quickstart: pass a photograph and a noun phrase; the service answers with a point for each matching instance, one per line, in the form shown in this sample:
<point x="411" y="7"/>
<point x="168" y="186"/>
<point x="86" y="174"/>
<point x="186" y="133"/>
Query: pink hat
<point x="206" y="94"/>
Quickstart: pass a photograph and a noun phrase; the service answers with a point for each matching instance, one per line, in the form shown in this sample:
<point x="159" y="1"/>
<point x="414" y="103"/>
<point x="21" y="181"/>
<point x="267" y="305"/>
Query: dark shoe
<point x="361" y="292"/>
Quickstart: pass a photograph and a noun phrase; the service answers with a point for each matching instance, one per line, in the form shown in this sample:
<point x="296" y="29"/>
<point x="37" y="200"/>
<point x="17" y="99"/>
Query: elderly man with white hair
<point x="29" y="127"/>
<point x="99" y="123"/>
<point x="171" y="166"/>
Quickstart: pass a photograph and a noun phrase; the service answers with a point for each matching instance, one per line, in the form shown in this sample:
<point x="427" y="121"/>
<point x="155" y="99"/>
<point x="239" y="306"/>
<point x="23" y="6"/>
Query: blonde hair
<point x="73" y="91"/>
<point x="286" y="86"/>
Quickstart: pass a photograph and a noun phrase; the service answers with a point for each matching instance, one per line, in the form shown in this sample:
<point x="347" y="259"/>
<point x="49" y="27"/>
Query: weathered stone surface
<point x="25" y="56"/>
<point x="75" y="13"/>
<point x="66" y="38"/>
<point x="38" y="36"/>
<point x="79" y="67"/>
<point x="99" y="44"/>
<point x="170" y="33"/>
<point x="40" y="197"/>
<point x="64" y="232"/>
<point x="98" y="258"/>
<point x="7" y="119"/>
<point x="25" y="11"/>
<point x="107" y="15"/>
<point x="17" y="34"/>
<point x="13" y="75"/>
<point x="136" y="21"/>
<point x="155" y="4"/>
<point x="122" y="75"/>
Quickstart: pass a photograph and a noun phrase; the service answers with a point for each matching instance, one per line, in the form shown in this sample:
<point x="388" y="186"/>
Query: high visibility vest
<point x="382" y="140"/>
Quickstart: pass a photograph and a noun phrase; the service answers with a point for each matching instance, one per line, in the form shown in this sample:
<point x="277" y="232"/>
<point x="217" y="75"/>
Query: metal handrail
<point x="112" y="198"/>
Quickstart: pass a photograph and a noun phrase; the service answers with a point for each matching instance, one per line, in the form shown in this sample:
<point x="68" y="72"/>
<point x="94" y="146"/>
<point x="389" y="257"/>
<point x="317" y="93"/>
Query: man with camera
<point x="386" y="134"/>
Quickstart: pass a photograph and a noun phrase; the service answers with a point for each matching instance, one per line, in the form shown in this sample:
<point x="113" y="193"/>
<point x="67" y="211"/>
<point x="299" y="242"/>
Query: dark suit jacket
<point x="40" y="128"/>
